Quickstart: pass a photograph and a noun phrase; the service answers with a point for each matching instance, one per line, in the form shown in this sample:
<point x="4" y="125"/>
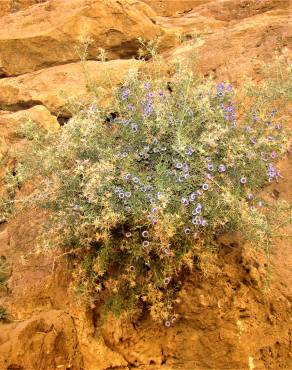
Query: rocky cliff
<point x="230" y="318"/>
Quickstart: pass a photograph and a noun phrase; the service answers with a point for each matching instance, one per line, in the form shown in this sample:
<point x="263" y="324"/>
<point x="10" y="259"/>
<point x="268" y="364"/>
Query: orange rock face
<point x="32" y="343"/>
<point x="238" y="36"/>
<point x="52" y="32"/>
<point x="169" y="8"/>
<point x="12" y="6"/>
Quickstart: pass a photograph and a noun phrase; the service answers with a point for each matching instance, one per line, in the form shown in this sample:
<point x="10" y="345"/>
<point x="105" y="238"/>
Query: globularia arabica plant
<point x="134" y="190"/>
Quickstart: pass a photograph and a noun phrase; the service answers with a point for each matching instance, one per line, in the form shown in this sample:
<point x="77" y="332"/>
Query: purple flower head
<point x="131" y="107"/>
<point x="209" y="176"/>
<point x="205" y="187"/>
<point x="196" y="221"/>
<point x="204" y="222"/>
<point x="208" y="159"/>
<point x="136" y="180"/>
<point x="128" y="234"/>
<point x="253" y="141"/>
<point x="132" y="268"/>
<point x="145" y="243"/>
<point x="199" y="193"/>
<point x="179" y="165"/>
<point x="121" y="195"/>
<point x="181" y="179"/>
<point x="167" y="323"/>
<point x="185" y="201"/>
<point x="189" y="151"/>
<point x="151" y="95"/>
<point x="125" y="94"/>
<point x="154" y="210"/>
<point x="185" y="167"/>
<point x="134" y="127"/>
<point x="145" y="234"/>
<point x="229" y="109"/>
<point x="161" y="93"/>
<point x="273" y="155"/>
<point x="147" y="85"/>
<point x="187" y="230"/>
<point x="197" y="211"/>
<point x="155" y="141"/>
<point x="210" y="167"/>
<point x="270" y="138"/>
<point x="278" y="126"/>
<point x="273" y="172"/>
<point x="250" y="196"/>
<point x="268" y="123"/>
<point x="222" y="168"/>
<point x="128" y="194"/>
<point x="148" y="110"/>
<point x="220" y="86"/>
<point x="127" y="176"/>
<point x="229" y="88"/>
<point x="243" y="180"/>
<point x="192" y="196"/>
<point x="260" y="203"/>
<point x="118" y="189"/>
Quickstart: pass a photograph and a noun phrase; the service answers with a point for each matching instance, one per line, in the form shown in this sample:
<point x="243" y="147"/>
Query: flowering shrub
<point x="135" y="192"/>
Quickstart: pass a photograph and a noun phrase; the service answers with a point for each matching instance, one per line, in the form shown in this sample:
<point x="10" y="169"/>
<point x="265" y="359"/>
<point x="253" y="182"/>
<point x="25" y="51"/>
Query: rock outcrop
<point x="51" y="33"/>
<point x="46" y="341"/>
<point x="52" y="86"/>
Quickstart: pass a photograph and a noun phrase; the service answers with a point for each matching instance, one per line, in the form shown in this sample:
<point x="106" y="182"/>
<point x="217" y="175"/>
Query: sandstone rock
<point x="237" y="50"/>
<point x="50" y="86"/>
<point x="46" y="341"/>
<point x="11" y="6"/>
<point x="168" y="8"/>
<point x="10" y="123"/>
<point x="50" y="33"/>
<point x="10" y="141"/>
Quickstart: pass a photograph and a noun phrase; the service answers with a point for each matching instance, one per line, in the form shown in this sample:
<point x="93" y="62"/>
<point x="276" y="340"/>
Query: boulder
<point x="51" y="86"/>
<point x="56" y="31"/>
<point x="45" y="341"/>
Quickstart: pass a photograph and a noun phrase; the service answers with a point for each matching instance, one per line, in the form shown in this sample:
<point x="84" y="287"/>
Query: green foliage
<point x="137" y="190"/>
